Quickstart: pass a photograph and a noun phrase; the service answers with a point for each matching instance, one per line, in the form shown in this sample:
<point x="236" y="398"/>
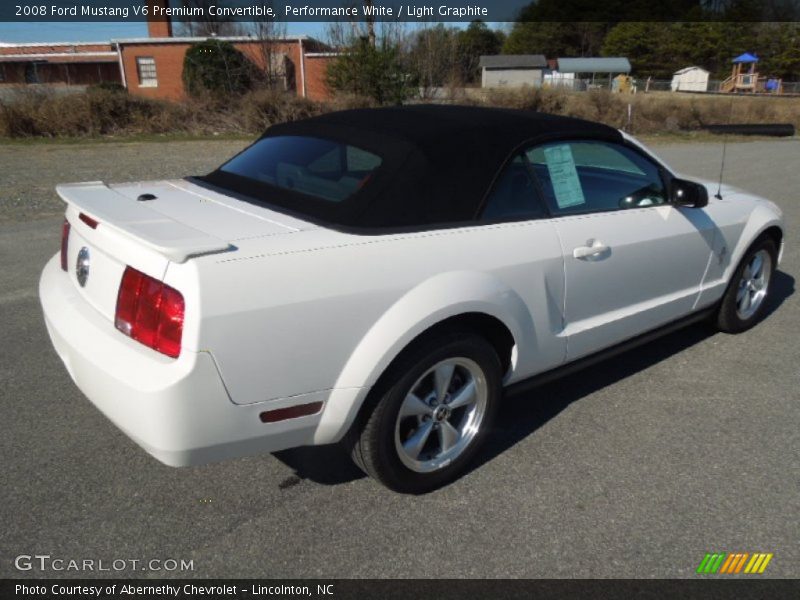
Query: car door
<point x="632" y="260"/>
<point x="521" y="237"/>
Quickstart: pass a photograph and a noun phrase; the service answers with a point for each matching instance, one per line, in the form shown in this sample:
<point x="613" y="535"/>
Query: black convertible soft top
<point x="438" y="162"/>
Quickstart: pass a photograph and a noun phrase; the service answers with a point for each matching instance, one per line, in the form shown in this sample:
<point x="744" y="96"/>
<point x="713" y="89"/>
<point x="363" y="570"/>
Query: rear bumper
<point x="176" y="409"/>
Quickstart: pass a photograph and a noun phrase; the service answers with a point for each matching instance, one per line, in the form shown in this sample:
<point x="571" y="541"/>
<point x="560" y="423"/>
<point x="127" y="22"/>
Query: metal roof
<point x="40" y="44"/>
<point x="164" y="40"/>
<point x="513" y="61"/>
<point x="221" y="38"/>
<point x="687" y="69"/>
<point x="594" y="65"/>
<point x="62" y="57"/>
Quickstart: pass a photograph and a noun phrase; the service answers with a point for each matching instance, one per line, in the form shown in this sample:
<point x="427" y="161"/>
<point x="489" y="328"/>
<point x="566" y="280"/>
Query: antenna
<point x="718" y="195"/>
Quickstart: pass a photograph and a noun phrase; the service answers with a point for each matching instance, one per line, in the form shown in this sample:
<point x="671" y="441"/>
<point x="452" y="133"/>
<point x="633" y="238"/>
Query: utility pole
<point x="370" y="18"/>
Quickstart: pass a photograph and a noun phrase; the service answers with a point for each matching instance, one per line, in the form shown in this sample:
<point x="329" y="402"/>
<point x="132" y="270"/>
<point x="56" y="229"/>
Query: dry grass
<point x="103" y="112"/>
<point x="99" y="112"/>
<point x="658" y="112"/>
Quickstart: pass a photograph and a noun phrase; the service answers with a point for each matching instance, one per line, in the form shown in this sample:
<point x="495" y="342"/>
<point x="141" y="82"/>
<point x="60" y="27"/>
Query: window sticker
<point x="564" y="176"/>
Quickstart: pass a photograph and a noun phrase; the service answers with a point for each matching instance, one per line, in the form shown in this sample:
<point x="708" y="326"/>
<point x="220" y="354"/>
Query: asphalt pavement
<point x="636" y="467"/>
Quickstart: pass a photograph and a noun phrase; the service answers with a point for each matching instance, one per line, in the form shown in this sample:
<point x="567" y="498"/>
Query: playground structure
<point x="745" y="79"/>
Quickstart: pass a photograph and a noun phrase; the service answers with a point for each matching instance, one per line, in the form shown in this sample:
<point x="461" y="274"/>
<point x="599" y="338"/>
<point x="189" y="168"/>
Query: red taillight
<point x="88" y="220"/>
<point x="64" y="244"/>
<point x="150" y="312"/>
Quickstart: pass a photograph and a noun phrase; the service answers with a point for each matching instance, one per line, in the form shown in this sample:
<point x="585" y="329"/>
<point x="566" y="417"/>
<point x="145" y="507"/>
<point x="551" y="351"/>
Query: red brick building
<point x="73" y="64"/>
<point x="153" y="66"/>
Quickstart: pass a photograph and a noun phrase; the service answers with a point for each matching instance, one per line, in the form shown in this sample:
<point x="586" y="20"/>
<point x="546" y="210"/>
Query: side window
<point x="345" y="159"/>
<point x="325" y="169"/>
<point x="331" y="163"/>
<point x="514" y="195"/>
<point x="581" y="177"/>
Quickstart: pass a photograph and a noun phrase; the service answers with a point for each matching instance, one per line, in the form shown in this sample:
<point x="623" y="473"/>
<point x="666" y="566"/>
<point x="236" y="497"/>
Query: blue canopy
<point x="745" y="58"/>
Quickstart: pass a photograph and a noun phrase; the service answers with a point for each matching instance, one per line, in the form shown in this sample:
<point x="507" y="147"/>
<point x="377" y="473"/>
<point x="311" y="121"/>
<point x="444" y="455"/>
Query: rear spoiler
<point x="135" y="220"/>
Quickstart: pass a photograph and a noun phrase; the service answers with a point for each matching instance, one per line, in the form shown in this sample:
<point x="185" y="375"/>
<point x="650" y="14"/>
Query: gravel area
<point x="29" y="171"/>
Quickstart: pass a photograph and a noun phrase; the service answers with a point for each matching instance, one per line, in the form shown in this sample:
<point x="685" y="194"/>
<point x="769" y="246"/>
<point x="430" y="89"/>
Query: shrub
<point x="16" y="120"/>
<point x="372" y="72"/>
<point x="99" y="112"/>
<point x="263" y="108"/>
<point x="217" y="67"/>
<point x="551" y="101"/>
<point x="107" y="86"/>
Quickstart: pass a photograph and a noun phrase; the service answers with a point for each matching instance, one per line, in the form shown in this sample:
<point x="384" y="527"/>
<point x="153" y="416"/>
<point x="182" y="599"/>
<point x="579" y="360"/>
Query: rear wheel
<point x="744" y="302"/>
<point x="430" y="413"/>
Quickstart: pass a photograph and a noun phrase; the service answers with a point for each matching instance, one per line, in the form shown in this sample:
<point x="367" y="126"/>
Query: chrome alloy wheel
<point x="441" y="414"/>
<point x="753" y="284"/>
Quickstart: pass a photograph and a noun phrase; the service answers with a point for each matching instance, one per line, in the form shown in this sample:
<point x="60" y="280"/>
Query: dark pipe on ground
<point x="768" y="129"/>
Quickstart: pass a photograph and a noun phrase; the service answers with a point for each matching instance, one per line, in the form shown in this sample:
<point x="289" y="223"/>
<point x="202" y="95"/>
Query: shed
<point x="690" y="79"/>
<point x="512" y="70"/>
<point x="606" y="65"/>
<point x="592" y="66"/>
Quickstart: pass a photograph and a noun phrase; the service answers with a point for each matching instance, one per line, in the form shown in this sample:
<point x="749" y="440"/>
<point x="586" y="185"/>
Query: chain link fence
<point x="665" y="85"/>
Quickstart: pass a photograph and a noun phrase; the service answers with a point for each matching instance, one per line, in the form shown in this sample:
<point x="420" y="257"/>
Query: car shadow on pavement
<point x="782" y="287"/>
<point x="523" y="413"/>
<point x="326" y="465"/>
<point x="519" y="417"/>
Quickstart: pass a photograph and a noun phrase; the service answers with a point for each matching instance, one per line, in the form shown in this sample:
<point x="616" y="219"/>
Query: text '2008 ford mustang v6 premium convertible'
<point x="379" y="276"/>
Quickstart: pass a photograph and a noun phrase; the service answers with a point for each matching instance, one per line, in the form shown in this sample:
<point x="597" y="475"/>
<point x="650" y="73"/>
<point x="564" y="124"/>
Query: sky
<point x="102" y="32"/>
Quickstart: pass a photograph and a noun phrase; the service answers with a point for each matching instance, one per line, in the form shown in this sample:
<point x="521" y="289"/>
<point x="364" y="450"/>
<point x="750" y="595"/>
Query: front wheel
<point x="745" y="300"/>
<point x="430" y="413"/>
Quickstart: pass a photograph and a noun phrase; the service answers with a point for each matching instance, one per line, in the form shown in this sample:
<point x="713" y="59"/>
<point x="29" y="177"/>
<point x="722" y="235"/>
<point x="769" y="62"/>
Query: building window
<point x="146" y="69"/>
<point x="32" y="73"/>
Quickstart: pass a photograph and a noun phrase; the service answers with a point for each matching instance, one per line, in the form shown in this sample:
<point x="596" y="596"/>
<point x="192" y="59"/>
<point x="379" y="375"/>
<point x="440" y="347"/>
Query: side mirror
<point x="688" y="193"/>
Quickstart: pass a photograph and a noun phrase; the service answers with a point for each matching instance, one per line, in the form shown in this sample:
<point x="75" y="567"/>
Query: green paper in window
<point x="564" y="176"/>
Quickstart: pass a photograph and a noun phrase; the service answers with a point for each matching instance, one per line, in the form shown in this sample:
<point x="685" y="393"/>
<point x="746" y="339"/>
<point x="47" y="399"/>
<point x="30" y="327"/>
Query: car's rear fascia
<point x="177" y="409"/>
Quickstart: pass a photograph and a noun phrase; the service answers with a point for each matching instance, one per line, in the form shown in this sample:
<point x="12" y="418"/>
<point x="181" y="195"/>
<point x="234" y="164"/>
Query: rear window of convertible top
<point x="324" y="169"/>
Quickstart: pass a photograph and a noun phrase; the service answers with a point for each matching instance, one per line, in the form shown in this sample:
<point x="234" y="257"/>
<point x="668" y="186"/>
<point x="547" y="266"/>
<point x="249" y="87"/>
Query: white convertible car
<point x="378" y="277"/>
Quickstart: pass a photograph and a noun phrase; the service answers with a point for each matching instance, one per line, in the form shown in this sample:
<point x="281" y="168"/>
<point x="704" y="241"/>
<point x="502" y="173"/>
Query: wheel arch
<point x="493" y="310"/>
<point x="491" y="328"/>
<point x="762" y="223"/>
<point x="775" y="233"/>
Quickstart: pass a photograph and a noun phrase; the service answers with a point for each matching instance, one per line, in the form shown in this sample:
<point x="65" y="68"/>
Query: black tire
<point x="372" y="439"/>
<point x="729" y="318"/>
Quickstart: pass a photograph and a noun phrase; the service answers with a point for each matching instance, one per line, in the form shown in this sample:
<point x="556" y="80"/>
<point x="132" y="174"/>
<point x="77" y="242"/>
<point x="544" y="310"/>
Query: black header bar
<point x="608" y="11"/>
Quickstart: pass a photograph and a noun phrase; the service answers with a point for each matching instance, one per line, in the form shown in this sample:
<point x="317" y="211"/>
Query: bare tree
<point x="274" y="65"/>
<point x="434" y="58"/>
<point x="342" y="34"/>
<point x="370" y="23"/>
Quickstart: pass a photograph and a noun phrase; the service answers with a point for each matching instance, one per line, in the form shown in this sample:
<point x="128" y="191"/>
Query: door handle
<point x="596" y="247"/>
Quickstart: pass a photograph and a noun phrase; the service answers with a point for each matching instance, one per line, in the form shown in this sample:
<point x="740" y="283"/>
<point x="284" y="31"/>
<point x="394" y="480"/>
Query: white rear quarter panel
<point x="287" y="317"/>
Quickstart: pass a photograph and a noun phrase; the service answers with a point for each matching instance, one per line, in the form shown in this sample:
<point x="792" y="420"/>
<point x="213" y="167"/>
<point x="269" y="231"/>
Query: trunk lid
<point x="150" y="224"/>
<point x="176" y="219"/>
